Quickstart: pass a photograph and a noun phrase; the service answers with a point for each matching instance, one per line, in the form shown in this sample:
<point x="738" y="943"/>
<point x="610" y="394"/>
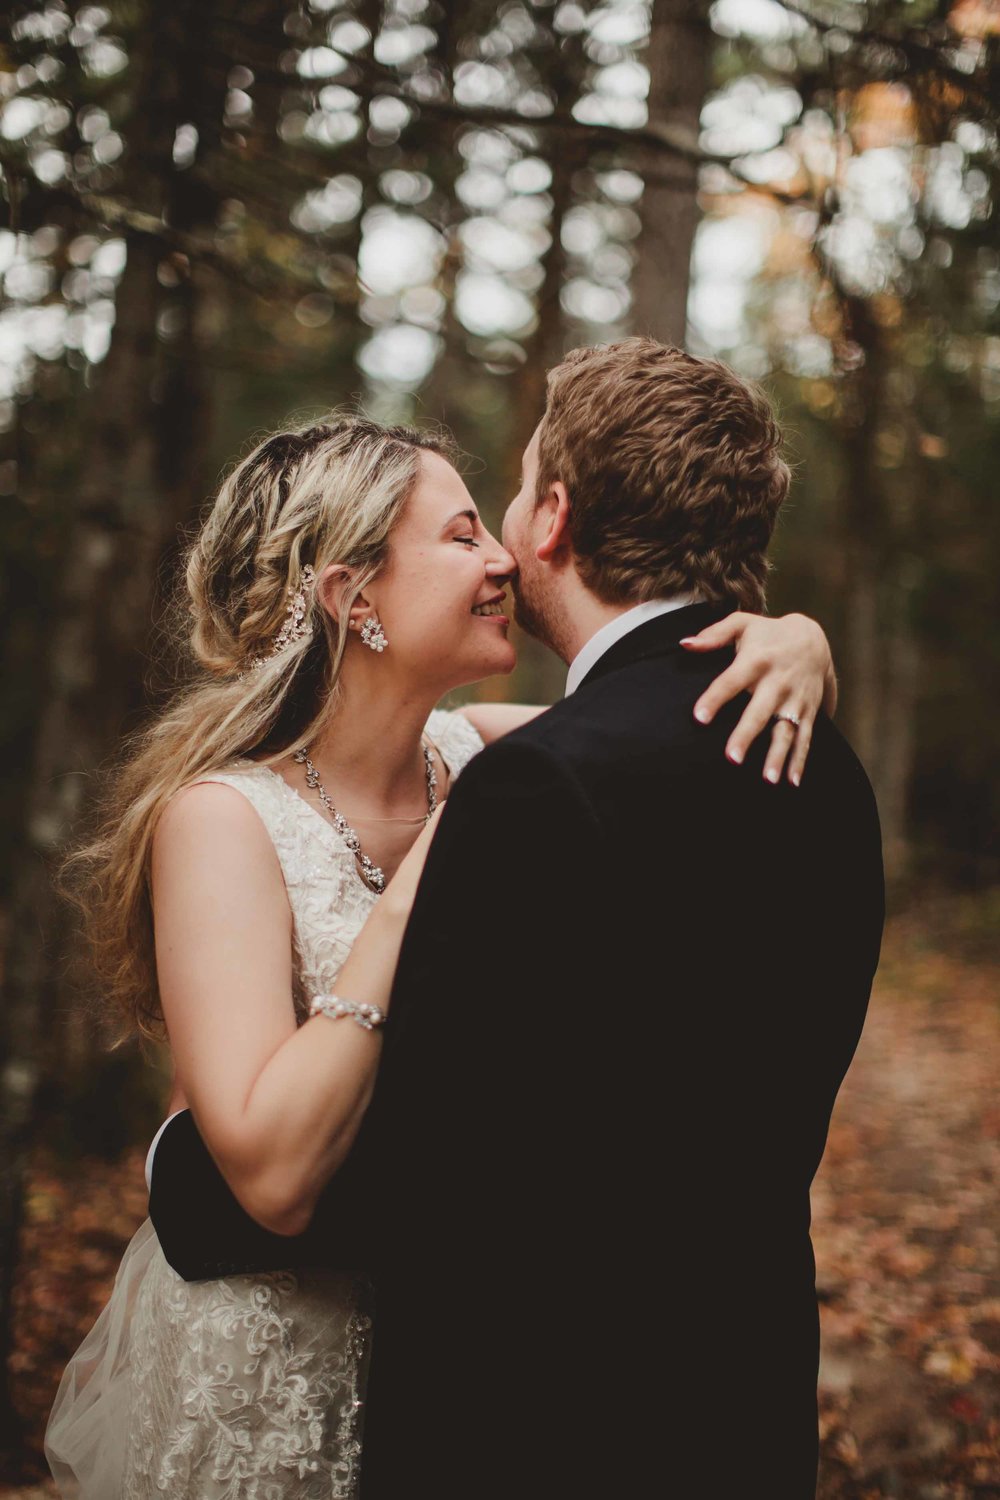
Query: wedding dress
<point x="247" y="1387"/>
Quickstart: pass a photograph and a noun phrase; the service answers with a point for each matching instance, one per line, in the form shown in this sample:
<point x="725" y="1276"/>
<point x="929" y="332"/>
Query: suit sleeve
<point x="500" y="946"/>
<point x="204" y="1231"/>
<point x="487" y="957"/>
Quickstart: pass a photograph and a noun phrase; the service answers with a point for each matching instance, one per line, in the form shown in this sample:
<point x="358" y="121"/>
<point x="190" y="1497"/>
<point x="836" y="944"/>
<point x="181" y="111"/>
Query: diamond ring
<point x="792" y="719"/>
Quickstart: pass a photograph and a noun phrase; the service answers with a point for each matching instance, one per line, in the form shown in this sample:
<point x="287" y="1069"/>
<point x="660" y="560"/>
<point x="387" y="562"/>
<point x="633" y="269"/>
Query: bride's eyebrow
<point x="469" y="515"/>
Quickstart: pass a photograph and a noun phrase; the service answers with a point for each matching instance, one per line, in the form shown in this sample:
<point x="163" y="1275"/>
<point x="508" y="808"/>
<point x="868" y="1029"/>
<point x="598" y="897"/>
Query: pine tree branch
<point x="921" y="56"/>
<point x="117" y="213"/>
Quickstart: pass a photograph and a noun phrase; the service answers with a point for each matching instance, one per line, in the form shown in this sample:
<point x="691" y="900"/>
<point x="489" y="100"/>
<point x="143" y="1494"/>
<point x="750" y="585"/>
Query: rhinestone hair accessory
<point x="296" y="626"/>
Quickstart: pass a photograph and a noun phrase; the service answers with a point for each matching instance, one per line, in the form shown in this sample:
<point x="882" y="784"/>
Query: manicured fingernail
<point x="686" y="640"/>
<point x="771" y="775"/>
<point x="736" y="756"/>
<point x="796" y="778"/>
<point x="701" y="714"/>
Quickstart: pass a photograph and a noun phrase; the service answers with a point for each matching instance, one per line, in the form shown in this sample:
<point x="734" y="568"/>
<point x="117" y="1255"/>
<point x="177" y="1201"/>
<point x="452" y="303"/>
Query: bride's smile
<point x="492" y="609"/>
<point x="444" y="576"/>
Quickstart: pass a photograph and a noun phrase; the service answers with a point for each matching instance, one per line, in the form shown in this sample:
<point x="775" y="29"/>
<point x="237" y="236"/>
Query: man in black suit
<point x="633" y="979"/>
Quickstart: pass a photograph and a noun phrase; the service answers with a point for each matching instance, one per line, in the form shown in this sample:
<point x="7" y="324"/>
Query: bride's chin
<point x="492" y="644"/>
<point x="506" y="659"/>
<point x="495" y="663"/>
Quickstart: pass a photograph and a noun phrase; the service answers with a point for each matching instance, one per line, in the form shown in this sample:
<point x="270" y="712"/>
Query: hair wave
<point x="674" y="472"/>
<point x="325" y="492"/>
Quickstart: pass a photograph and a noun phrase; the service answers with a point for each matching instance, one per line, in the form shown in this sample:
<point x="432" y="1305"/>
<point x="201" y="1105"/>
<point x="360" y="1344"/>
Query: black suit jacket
<point x="633" y="980"/>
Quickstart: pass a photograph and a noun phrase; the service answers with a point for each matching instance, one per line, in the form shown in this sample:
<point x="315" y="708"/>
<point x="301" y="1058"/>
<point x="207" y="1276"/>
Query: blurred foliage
<point x="375" y="203"/>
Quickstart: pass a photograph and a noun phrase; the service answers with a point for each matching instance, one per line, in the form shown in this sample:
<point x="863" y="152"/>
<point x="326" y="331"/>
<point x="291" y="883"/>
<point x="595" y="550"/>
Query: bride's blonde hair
<point x="327" y="492"/>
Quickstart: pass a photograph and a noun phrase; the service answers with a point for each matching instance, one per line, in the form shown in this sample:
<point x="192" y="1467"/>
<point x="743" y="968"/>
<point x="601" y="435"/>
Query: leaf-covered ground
<point x="905" y="1224"/>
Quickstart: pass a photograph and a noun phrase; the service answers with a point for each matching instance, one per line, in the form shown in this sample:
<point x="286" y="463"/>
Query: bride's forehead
<point x="440" y="491"/>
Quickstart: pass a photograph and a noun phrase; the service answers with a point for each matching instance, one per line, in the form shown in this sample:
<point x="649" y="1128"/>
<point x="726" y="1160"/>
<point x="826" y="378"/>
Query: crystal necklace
<point x="373" y="876"/>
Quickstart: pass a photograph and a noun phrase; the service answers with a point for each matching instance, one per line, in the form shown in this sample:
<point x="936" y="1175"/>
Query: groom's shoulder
<point x="523" y="763"/>
<point x="643" y="704"/>
<point x="522" y="781"/>
<point x="642" y="717"/>
<point x="571" y="747"/>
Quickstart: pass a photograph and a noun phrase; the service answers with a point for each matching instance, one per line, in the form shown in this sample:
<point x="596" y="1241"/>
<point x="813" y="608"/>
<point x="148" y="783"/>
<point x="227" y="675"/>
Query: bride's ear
<point x="334" y="584"/>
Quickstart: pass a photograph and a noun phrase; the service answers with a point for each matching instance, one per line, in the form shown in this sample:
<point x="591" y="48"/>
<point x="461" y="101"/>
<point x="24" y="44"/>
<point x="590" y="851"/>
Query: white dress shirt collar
<point x="602" y="640"/>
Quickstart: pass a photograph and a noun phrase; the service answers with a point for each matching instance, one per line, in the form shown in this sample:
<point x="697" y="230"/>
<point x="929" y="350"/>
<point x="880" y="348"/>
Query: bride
<point x="262" y="839"/>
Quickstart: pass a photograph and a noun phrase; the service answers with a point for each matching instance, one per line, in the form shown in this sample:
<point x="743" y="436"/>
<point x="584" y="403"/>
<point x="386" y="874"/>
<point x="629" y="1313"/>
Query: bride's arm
<point x="785" y="663"/>
<point x="492" y="720"/>
<point x="277" y="1105"/>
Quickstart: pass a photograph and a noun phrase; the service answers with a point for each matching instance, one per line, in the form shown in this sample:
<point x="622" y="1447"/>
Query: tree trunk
<point x="545" y="347"/>
<point x="439" y="144"/>
<point x="881" y="667"/>
<point x="861" y="519"/>
<point x="680" y="43"/>
<point x="542" y="676"/>
<point x="143" y="469"/>
<point x="902" y="681"/>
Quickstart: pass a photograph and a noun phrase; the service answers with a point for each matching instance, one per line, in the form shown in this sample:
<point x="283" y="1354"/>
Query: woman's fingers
<point x="788" y="743"/>
<point x="722" y="633"/>
<point x="784" y="665"/>
<point x="754" y="719"/>
<point x="800" y="752"/>
<point x="783" y="737"/>
<point x="793" y="741"/>
<point x="739" y="677"/>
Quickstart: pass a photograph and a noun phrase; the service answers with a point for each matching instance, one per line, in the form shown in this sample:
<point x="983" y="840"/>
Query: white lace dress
<point x="247" y="1387"/>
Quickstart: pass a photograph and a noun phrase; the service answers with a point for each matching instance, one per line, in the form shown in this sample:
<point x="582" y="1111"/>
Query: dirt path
<point x="905" y="1224"/>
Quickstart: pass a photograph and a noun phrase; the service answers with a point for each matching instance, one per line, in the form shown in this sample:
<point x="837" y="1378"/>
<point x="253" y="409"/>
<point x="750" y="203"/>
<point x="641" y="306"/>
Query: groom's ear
<point x="554" y="517"/>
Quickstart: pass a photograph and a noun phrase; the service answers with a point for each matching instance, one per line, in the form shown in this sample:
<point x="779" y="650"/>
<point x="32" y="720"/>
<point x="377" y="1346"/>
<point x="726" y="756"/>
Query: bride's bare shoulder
<point x="211" y="822"/>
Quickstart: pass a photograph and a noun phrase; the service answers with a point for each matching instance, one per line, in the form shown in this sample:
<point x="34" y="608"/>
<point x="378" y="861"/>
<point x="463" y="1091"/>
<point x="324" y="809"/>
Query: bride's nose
<point x="501" y="564"/>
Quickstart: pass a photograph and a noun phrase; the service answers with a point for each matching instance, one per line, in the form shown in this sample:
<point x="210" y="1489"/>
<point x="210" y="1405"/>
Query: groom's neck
<point x="584" y="615"/>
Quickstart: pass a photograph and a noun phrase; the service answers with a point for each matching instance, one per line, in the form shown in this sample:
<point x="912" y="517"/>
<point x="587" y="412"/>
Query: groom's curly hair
<point x="673" y="468"/>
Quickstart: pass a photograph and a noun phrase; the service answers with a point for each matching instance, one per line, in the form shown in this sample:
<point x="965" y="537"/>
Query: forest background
<point x="220" y="214"/>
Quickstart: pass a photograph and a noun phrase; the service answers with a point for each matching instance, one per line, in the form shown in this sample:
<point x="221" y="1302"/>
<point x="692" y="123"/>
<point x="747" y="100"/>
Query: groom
<point x="634" y="977"/>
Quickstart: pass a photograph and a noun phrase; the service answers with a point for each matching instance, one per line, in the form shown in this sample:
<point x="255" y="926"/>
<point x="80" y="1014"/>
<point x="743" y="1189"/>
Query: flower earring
<point x="373" y="635"/>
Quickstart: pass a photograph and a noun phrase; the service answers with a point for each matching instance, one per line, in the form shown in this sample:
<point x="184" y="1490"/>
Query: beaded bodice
<point x="328" y="898"/>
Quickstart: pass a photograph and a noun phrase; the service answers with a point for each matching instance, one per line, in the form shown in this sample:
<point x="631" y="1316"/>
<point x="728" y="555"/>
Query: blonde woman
<point x="342" y="583"/>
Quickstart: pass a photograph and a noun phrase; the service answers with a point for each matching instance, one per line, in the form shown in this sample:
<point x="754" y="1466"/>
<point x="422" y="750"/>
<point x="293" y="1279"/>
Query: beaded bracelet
<point x="368" y="1016"/>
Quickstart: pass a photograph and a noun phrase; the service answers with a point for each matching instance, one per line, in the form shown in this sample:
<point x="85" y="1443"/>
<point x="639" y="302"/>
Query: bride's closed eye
<point x="468" y="540"/>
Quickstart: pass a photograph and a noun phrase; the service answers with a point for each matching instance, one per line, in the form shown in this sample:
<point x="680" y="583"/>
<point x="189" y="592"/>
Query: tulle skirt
<point x="242" y="1388"/>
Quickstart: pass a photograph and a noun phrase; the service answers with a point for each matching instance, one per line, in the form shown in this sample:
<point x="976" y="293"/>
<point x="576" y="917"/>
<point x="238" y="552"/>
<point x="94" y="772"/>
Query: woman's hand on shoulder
<point x="787" y="667"/>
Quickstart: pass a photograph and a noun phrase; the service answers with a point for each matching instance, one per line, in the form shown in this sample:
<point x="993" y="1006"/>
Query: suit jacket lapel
<point x="657" y="637"/>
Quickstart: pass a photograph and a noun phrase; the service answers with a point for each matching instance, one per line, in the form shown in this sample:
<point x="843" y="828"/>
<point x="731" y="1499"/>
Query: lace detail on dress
<point x="244" y="1387"/>
<point x="269" y="1403"/>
